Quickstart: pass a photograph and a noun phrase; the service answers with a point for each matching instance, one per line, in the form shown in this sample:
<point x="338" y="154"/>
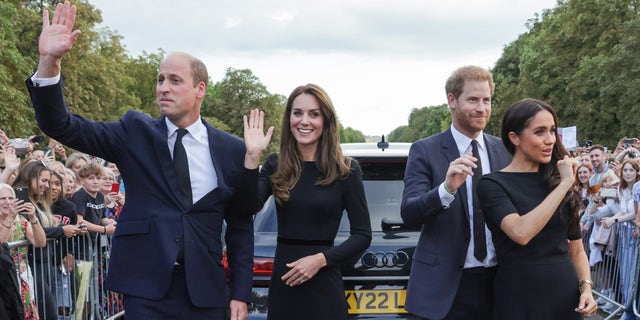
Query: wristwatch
<point x="616" y="220"/>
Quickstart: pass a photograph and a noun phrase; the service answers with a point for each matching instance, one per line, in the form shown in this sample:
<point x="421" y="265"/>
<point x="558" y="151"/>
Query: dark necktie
<point x="182" y="169"/>
<point x="479" y="238"/>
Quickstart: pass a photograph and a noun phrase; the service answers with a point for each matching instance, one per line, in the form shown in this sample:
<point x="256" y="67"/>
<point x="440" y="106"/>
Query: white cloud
<point x="378" y="59"/>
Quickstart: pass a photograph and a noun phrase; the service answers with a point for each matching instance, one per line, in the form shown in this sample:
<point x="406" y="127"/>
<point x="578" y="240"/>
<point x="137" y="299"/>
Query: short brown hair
<point x="455" y="82"/>
<point x="597" y="147"/>
<point x="91" y="168"/>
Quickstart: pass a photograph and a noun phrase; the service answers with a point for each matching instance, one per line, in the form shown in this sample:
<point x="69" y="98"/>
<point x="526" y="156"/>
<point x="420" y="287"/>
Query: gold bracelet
<point x="582" y="282"/>
<point x="36" y="221"/>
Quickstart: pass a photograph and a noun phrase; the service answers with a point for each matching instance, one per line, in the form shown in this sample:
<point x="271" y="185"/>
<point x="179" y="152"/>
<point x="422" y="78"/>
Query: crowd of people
<point x="69" y="203"/>
<point x="607" y="180"/>
<point x="504" y="219"/>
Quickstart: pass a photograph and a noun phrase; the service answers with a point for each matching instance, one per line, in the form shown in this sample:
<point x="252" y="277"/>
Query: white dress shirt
<point x="464" y="146"/>
<point x="202" y="171"/>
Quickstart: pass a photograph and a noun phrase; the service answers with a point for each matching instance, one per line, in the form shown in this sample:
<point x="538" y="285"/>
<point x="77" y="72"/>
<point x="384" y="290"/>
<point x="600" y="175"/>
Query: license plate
<point x="375" y="301"/>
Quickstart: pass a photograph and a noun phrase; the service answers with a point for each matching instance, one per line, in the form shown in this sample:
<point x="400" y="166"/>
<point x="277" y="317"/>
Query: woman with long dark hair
<point x="312" y="183"/>
<point x="531" y="207"/>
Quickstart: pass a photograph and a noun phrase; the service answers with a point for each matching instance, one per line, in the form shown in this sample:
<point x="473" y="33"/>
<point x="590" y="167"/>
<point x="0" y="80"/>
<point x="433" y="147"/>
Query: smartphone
<point x="22" y="194"/>
<point x="37" y="139"/>
<point x="115" y="187"/>
<point x="588" y="143"/>
<point x="628" y="142"/>
<point x="608" y="193"/>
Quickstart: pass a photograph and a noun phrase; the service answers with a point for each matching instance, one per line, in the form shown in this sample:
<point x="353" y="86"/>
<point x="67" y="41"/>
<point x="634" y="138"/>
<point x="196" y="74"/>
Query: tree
<point x="17" y="114"/>
<point x="144" y="70"/>
<point x="423" y="122"/>
<point x="581" y="58"/>
<point x="236" y="94"/>
<point x="349" y="134"/>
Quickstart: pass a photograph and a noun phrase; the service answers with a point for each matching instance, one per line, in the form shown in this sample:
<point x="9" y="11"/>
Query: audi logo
<point x="384" y="259"/>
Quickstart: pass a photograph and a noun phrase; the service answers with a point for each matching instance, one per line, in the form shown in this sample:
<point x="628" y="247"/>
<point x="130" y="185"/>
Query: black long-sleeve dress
<point x="537" y="280"/>
<point x="308" y="224"/>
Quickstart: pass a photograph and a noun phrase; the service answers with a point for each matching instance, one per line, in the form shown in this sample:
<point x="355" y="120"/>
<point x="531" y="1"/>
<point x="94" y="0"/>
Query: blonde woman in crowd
<point x="16" y="227"/>
<point x="69" y="181"/>
<point x="75" y="161"/>
<point x="114" y="201"/>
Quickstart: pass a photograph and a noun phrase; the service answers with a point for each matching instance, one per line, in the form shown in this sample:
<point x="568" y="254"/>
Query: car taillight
<point x="262" y="266"/>
<point x="225" y="264"/>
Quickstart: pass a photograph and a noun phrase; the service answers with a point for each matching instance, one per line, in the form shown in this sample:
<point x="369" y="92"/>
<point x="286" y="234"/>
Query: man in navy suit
<point x="449" y="280"/>
<point x="167" y="248"/>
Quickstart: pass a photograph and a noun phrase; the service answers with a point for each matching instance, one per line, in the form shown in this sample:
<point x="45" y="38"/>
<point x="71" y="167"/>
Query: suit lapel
<point x="451" y="152"/>
<point x="216" y="149"/>
<point x="492" y="153"/>
<point x="166" y="163"/>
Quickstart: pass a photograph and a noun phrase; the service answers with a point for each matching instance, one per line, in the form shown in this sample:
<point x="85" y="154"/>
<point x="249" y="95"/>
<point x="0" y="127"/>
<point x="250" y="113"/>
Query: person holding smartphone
<point x="111" y="190"/>
<point x="19" y="222"/>
<point x="34" y="180"/>
<point x="601" y="255"/>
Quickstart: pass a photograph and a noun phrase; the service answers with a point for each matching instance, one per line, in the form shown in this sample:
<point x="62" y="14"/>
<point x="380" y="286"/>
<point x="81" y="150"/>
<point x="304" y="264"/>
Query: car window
<point x="383" y="185"/>
<point x="266" y="220"/>
<point x="383" y="200"/>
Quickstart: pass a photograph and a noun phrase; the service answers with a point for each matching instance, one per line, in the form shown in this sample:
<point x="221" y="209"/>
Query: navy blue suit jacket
<point x="439" y="258"/>
<point x="154" y="220"/>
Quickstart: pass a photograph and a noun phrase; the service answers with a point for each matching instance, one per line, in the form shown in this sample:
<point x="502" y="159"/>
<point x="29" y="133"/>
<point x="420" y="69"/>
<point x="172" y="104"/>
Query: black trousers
<point x="176" y="304"/>
<point x="474" y="300"/>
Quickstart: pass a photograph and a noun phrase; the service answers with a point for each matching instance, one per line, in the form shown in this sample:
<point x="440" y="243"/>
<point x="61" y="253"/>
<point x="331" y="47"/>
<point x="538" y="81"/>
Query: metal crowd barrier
<point x="66" y="278"/>
<point x="616" y="276"/>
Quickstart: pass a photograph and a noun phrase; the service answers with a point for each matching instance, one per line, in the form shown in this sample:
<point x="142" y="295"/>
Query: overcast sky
<point x="377" y="59"/>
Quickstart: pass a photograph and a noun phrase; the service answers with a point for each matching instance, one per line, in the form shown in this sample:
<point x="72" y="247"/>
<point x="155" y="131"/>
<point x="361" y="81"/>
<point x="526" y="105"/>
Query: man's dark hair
<point x="597" y="146"/>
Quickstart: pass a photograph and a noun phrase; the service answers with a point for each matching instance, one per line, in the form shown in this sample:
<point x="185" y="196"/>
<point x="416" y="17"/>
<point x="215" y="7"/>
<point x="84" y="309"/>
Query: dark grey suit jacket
<point x="440" y="254"/>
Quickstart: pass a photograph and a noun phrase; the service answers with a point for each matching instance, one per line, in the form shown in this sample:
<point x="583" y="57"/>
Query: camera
<point x="627" y="142"/>
<point x="632" y="155"/>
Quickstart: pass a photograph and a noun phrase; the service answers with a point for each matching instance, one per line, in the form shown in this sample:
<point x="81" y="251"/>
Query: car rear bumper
<point x="371" y="295"/>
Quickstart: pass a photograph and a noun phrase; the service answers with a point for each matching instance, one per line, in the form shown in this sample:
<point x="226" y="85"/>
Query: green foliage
<point x="348" y="135"/>
<point x="17" y="115"/>
<point x="581" y="57"/>
<point x="423" y="122"/>
<point x="235" y="95"/>
<point x="397" y="134"/>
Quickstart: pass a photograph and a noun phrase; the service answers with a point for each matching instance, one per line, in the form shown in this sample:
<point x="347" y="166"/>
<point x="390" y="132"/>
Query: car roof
<point x="371" y="149"/>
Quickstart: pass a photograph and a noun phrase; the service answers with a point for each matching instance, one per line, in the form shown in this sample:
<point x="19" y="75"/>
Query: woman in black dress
<point x="313" y="184"/>
<point x="531" y="208"/>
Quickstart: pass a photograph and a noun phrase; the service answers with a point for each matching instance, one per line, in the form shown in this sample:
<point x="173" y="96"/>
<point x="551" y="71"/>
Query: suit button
<point x="177" y="239"/>
<point x="467" y="239"/>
